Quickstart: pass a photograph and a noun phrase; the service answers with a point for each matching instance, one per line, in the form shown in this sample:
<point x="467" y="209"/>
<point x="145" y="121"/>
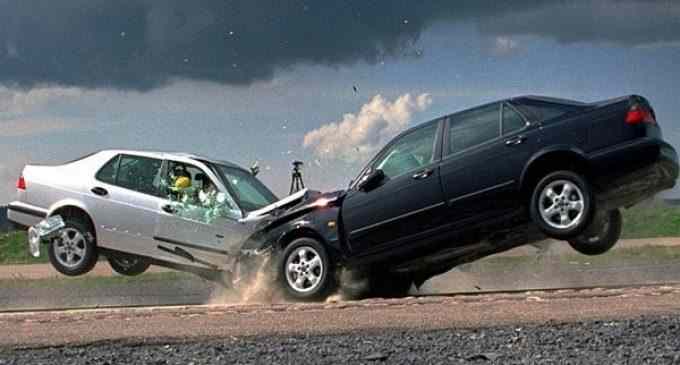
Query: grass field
<point x="651" y="220"/>
<point x="14" y="250"/>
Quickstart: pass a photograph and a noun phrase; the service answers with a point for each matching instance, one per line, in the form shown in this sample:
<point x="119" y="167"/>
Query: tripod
<point x="296" y="183"/>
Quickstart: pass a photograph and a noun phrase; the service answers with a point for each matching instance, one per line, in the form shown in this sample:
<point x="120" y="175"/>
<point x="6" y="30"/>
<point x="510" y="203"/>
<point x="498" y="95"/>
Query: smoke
<point x="357" y="136"/>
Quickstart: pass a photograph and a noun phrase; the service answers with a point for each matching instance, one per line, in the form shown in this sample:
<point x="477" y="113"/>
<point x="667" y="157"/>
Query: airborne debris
<point x="485" y="356"/>
<point x="376" y="356"/>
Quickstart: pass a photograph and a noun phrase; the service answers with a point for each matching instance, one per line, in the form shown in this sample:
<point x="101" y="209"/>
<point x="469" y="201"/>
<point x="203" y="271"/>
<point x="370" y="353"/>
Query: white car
<point x="139" y="208"/>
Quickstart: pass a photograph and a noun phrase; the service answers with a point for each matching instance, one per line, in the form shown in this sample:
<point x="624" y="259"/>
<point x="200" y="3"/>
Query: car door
<point x="194" y="229"/>
<point x="408" y="199"/>
<point x="484" y="152"/>
<point x="124" y="203"/>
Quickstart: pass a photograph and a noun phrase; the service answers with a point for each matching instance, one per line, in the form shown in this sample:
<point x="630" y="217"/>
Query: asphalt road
<point x="629" y="325"/>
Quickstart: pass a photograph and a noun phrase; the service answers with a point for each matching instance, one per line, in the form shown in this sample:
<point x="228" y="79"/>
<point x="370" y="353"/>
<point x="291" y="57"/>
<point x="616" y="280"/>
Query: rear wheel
<point x="562" y="204"/>
<point x="601" y="235"/>
<point x="127" y="264"/>
<point x="305" y="270"/>
<point x="74" y="251"/>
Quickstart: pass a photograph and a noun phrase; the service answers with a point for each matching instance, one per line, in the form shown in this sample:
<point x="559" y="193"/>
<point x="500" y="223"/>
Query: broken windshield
<point x="250" y="193"/>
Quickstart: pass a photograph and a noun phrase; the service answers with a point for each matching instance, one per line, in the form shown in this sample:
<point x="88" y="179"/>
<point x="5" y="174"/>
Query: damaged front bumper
<point x="44" y="231"/>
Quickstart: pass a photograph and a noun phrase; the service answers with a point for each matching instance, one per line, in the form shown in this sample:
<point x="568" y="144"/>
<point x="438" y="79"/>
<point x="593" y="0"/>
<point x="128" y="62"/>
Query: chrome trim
<point x="397" y="218"/>
<point x="189" y="245"/>
<point x="502" y="185"/>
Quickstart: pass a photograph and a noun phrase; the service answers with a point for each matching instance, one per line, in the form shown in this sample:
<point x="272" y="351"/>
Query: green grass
<point x="644" y="221"/>
<point x="14" y="250"/>
<point x="651" y="221"/>
<point x="644" y="255"/>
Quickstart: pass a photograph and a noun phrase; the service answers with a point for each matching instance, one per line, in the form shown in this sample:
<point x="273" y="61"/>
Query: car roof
<point x="548" y="99"/>
<point x="166" y="155"/>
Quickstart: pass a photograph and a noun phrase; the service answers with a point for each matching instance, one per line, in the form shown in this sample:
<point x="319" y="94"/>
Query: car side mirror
<point x="371" y="180"/>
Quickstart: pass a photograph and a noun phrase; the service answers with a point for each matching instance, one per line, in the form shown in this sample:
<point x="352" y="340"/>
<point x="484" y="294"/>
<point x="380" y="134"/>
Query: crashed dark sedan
<point x="468" y="185"/>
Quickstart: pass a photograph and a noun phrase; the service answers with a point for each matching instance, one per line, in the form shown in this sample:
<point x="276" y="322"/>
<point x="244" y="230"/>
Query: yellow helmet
<point x="182" y="182"/>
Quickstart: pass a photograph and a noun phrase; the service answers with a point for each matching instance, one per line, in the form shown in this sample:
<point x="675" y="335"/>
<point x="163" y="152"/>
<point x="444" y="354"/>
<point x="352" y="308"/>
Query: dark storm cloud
<point x="142" y="44"/>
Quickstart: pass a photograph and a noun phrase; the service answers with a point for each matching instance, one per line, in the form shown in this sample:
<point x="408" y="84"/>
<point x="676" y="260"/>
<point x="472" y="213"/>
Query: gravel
<point x="650" y="340"/>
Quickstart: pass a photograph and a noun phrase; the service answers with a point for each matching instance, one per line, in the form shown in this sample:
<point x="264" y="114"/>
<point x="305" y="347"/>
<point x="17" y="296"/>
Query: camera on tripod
<point x="296" y="183"/>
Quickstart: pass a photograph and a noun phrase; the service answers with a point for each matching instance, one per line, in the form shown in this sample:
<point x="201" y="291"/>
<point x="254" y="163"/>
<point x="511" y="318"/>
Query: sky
<point x="325" y="82"/>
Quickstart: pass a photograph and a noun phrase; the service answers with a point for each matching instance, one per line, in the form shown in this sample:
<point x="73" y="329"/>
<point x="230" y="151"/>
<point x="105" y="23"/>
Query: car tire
<point x="305" y="271"/>
<point x="74" y="251"/>
<point x="601" y="235"/>
<point x="562" y="204"/>
<point x="127" y="264"/>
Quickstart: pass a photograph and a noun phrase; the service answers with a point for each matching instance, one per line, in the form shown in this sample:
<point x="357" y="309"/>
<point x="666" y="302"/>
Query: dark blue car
<point x="471" y="184"/>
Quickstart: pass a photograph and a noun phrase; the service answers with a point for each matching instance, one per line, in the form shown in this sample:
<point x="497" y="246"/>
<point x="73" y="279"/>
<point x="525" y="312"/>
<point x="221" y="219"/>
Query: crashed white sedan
<point x="140" y="208"/>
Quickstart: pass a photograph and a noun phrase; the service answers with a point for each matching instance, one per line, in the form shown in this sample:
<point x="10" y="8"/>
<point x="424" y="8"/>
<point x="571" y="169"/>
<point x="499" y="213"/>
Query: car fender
<point x="320" y="223"/>
<point x="545" y="151"/>
<point x="67" y="202"/>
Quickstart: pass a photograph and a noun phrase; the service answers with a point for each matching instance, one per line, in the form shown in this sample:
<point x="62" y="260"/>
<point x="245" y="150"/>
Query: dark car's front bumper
<point x="633" y="172"/>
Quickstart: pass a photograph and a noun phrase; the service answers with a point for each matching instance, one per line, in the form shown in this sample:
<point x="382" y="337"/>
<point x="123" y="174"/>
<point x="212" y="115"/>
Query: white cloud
<point x="21" y="102"/>
<point x="357" y="136"/>
<point x="19" y="127"/>
<point x="504" y="45"/>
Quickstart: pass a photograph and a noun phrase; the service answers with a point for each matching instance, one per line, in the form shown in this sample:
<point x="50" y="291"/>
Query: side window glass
<point x="474" y="127"/>
<point x="410" y="152"/>
<point x="544" y="111"/>
<point x="195" y="196"/>
<point x="108" y="172"/>
<point x="512" y="121"/>
<point x="139" y="173"/>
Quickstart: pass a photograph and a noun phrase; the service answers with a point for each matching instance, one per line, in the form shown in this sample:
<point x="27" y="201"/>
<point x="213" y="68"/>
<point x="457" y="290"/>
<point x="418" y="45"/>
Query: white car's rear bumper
<point x="25" y="215"/>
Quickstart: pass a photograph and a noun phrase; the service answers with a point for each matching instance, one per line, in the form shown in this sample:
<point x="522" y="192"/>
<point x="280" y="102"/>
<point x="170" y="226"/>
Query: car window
<point x="139" y="173"/>
<point x="409" y="152"/>
<point x="250" y="192"/>
<point x="195" y="195"/>
<point x="107" y="173"/>
<point x="474" y="127"/>
<point x="540" y="111"/>
<point x="512" y="120"/>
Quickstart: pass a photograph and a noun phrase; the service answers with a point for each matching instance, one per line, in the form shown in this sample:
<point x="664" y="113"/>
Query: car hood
<point x="292" y="206"/>
<point x="287" y="202"/>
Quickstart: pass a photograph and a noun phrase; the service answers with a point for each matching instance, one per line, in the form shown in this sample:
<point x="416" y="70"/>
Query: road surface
<point x="584" y="326"/>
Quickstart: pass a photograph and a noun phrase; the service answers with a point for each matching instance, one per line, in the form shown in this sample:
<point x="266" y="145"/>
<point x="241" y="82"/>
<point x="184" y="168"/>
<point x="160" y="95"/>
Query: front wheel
<point x="127" y="264"/>
<point x="305" y="270"/>
<point x="601" y="235"/>
<point x="562" y="204"/>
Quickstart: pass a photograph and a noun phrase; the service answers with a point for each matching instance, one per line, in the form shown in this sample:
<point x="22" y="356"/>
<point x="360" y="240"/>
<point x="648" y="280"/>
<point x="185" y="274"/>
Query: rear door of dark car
<point x="407" y="202"/>
<point x="485" y="150"/>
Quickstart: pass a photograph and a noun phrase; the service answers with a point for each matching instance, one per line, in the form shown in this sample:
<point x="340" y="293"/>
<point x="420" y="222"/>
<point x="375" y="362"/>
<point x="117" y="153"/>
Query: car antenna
<point x="296" y="183"/>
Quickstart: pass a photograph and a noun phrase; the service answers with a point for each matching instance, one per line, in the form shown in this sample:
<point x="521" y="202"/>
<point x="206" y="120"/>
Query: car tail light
<point x="640" y="114"/>
<point x="21" y="183"/>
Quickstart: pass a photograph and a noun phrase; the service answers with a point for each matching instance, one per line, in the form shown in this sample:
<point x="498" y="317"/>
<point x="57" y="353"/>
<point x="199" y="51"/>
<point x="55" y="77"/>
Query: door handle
<point x="515" y="141"/>
<point x="99" y="191"/>
<point x="423" y="174"/>
<point x="168" y="208"/>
